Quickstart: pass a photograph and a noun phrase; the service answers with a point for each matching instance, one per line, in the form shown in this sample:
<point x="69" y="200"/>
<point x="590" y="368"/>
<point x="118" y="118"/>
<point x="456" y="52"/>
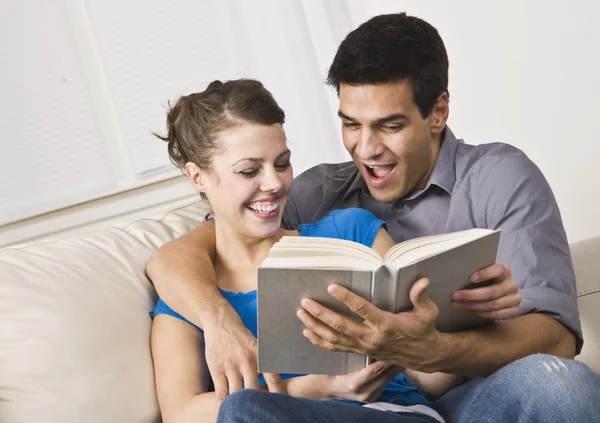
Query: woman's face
<point x="250" y="180"/>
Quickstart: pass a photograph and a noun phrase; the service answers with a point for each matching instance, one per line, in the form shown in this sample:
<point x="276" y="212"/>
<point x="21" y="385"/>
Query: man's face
<point x="388" y="139"/>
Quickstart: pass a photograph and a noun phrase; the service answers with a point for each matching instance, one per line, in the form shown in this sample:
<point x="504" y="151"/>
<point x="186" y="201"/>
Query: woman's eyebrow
<point x="252" y="159"/>
<point x="259" y="159"/>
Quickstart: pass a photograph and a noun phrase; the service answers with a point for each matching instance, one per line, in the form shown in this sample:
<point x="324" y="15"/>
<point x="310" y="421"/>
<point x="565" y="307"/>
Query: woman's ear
<point x="197" y="176"/>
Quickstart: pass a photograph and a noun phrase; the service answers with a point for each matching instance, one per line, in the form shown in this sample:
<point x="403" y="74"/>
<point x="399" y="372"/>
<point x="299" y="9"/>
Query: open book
<point x="300" y="267"/>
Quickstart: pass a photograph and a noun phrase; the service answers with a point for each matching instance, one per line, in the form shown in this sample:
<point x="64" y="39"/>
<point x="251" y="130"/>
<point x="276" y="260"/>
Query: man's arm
<point x="182" y="272"/>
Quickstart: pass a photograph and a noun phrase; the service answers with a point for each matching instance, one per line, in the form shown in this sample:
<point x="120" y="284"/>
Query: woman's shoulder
<point x="353" y="224"/>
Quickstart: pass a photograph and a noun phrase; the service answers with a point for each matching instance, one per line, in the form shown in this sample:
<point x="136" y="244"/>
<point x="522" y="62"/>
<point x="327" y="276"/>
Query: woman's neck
<point x="238" y="257"/>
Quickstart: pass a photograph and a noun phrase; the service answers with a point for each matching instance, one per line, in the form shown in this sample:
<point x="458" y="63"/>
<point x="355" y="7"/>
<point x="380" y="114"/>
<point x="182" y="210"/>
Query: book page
<point x="407" y="253"/>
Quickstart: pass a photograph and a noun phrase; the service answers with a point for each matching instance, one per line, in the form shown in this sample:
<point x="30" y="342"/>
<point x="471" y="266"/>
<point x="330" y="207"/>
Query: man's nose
<point x="369" y="145"/>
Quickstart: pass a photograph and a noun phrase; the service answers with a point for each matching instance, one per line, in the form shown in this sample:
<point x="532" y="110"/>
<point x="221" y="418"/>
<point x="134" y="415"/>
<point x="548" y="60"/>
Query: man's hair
<point x="390" y="48"/>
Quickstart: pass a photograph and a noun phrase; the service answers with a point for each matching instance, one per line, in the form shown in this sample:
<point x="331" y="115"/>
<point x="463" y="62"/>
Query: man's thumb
<point x="418" y="294"/>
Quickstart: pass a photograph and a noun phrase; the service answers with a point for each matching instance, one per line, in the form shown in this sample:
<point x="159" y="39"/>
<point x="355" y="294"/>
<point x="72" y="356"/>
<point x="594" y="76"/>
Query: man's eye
<point x="283" y="166"/>
<point x="249" y="173"/>
<point x="393" y="128"/>
<point x="350" y="125"/>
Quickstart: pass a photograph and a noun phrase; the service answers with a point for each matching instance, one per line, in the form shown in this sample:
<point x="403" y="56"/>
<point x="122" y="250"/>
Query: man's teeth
<point x="264" y="208"/>
<point x="381" y="170"/>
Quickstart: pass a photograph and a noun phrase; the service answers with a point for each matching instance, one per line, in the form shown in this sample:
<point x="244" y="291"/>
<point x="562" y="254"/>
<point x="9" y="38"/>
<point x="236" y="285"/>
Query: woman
<point x="230" y="142"/>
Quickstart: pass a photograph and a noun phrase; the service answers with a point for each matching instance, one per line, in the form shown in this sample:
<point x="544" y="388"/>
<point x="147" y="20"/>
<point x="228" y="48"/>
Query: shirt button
<point x="399" y="205"/>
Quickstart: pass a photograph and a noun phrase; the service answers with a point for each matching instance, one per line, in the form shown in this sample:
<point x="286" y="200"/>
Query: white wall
<point x="520" y="72"/>
<point x="87" y="81"/>
<point x="524" y="73"/>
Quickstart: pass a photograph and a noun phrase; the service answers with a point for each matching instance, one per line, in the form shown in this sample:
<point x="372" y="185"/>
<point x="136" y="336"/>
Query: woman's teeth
<point x="264" y="208"/>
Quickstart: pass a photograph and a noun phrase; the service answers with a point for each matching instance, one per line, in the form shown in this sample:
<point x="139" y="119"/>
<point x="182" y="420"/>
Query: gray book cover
<point x="283" y="349"/>
<point x="281" y="346"/>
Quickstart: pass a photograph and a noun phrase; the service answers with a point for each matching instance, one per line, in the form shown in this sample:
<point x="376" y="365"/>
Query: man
<point x="391" y="75"/>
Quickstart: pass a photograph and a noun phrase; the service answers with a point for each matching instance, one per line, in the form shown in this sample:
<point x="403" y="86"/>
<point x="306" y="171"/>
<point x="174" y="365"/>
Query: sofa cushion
<point x="74" y="324"/>
<point x="586" y="260"/>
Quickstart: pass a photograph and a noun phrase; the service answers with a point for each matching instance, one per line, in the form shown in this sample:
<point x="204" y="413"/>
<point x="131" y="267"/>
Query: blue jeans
<point x="538" y="388"/>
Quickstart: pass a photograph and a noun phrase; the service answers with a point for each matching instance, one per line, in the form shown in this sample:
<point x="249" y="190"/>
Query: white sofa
<point x="74" y="322"/>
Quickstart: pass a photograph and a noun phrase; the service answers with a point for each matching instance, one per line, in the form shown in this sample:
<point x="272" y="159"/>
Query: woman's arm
<point x="182" y="272"/>
<point x="180" y="371"/>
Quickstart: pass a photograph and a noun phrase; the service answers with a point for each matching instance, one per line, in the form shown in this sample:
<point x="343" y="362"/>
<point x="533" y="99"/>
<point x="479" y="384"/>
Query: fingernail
<point x="475" y="277"/>
<point x="456" y="296"/>
<point x="333" y="289"/>
<point x="306" y="304"/>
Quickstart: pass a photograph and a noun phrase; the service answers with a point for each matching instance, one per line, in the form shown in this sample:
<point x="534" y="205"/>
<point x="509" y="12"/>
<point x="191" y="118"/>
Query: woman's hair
<point x="389" y="48"/>
<point x="195" y="121"/>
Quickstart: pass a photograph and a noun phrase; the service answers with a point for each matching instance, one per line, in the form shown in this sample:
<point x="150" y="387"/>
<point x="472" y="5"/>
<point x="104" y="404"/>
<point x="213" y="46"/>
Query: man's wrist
<point x="444" y="354"/>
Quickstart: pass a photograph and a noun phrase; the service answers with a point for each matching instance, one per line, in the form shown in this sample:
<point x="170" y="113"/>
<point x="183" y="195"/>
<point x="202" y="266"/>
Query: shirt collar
<point x="444" y="170"/>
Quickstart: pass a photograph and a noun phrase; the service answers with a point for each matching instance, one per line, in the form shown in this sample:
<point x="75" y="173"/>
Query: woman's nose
<point x="271" y="182"/>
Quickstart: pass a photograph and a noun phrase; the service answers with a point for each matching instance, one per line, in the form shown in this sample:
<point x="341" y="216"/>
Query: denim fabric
<point x="538" y="388"/>
<point x="250" y="406"/>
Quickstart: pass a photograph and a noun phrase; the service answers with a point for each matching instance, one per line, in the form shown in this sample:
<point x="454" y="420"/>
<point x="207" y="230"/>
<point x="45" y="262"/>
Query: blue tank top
<point x="352" y="224"/>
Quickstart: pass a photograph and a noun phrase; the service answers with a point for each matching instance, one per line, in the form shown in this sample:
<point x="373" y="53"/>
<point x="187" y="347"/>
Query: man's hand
<point x="498" y="301"/>
<point x="230" y="350"/>
<point x="407" y="339"/>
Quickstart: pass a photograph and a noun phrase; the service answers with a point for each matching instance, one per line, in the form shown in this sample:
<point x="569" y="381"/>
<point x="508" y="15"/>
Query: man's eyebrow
<point x="380" y="121"/>
<point x="390" y="118"/>
<point x="260" y="160"/>
<point x="344" y="116"/>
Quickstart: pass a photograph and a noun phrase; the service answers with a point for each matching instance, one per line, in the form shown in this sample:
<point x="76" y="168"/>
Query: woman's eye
<point x="249" y="173"/>
<point x="283" y="166"/>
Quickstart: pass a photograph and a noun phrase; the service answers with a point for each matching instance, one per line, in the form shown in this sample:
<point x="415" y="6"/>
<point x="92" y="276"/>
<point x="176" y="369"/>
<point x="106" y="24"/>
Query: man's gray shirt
<point x="492" y="186"/>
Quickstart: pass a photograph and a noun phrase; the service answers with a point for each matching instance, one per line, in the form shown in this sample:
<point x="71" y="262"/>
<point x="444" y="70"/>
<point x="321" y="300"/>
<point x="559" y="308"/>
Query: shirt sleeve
<point x="516" y="198"/>
<point x="358" y="225"/>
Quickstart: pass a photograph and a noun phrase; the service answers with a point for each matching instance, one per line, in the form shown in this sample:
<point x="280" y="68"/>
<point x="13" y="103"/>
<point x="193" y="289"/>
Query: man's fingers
<point x="503" y="288"/>
<point x="274" y="382"/>
<point x="221" y="385"/>
<point x="357" y="304"/>
<point x="505" y="302"/>
<point x="496" y="271"/>
<point x="328" y="321"/>
<point x="504" y="314"/>
<point x="317" y="341"/>
<point x="250" y="380"/>
<point x="235" y="382"/>
<point x="323" y="331"/>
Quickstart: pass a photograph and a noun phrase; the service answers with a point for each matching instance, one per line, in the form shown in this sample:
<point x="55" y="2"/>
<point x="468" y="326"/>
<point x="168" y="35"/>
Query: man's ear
<point x="197" y="176"/>
<point x="439" y="114"/>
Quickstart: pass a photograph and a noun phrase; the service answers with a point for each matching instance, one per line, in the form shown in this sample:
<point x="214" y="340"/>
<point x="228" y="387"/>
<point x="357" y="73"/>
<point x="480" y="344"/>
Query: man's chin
<point x="385" y="195"/>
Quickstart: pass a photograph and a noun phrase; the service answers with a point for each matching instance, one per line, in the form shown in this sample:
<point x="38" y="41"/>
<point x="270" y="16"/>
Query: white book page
<point x="314" y="252"/>
<point x="429" y="246"/>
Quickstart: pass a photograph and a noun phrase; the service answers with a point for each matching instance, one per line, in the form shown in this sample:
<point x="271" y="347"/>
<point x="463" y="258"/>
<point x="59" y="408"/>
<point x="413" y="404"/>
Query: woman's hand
<point x="363" y="385"/>
<point x="498" y="301"/>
